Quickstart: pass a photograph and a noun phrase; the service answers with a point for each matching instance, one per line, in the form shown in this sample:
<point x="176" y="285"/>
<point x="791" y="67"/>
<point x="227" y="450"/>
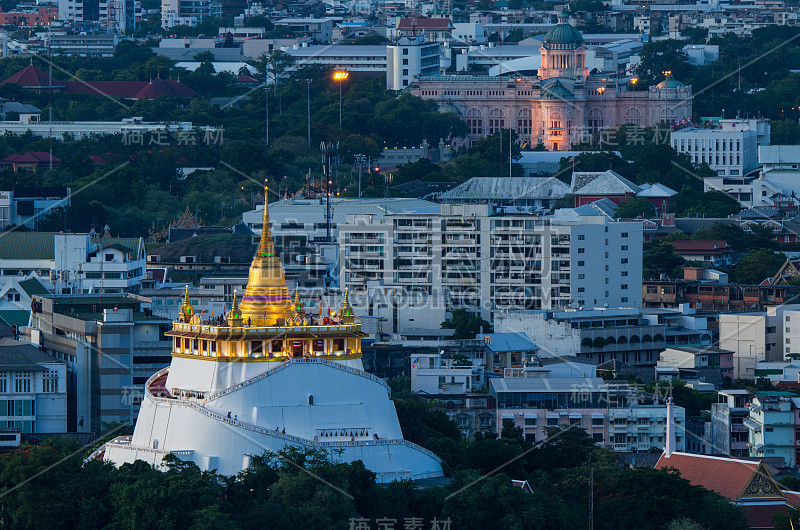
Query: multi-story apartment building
<point x="188" y="12"/>
<point x="771" y="426"/>
<point x="111" y="346"/>
<point x="614" y="416"/>
<point x="483" y="262"/>
<point x="729" y="434"/>
<point x="75" y="263"/>
<point x="33" y="391"/>
<point x="755" y="337"/>
<point x="408" y="58"/>
<point x="730" y="149"/>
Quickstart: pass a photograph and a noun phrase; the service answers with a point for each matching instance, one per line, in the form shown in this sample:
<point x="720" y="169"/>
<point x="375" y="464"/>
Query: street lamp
<point x="308" y="91"/>
<point x="633" y="82"/>
<point x="340" y="76"/>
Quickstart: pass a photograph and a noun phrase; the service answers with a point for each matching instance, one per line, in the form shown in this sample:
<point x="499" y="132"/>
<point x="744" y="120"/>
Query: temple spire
<point x="266" y="248"/>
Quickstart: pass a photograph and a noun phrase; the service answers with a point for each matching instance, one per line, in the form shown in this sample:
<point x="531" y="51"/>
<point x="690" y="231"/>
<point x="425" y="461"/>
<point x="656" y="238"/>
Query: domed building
<point x="563" y="104"/>
<point x="266" y="377"/>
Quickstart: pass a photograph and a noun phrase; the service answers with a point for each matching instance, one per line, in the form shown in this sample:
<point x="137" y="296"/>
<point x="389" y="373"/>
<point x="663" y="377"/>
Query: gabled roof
<point x="507" y="188"/>
<point x="33" y="286"/>
<point x="16" y="245"/>
<point x="131" y="89"/>
<point x="14" y="354"/>
<point x="656" y="190"/>
<point x="32" y="77"/>
<point x="727" y="476"/>
<point x="32" y="157"/>
<point x="15" y="317"/>
<point x="507" y="342"/>
<point x="424" y="23"/>
<point x="690" y="246"/>
<point x="601" y="183"/>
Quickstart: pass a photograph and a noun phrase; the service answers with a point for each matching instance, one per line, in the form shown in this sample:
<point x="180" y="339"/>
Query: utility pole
<point x="266" y="105"/>
<point x="360" y="159"/>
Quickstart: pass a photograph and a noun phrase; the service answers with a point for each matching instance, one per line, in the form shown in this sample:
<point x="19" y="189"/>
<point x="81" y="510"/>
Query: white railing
<point x="286" y="364"/>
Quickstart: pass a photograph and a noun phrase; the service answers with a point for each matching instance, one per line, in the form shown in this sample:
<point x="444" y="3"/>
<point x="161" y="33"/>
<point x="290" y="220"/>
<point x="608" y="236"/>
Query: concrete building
<point x="754" y="337"/>
<point x="563" y="104"/>
<point x="599" y="335"/>
<point x="409" y="58"/>
<point x="431" y="374"/>
<point x="27" y="205"/>
<point x="771" y="426"/>
<point x="188" y="12"/>
<point x="75" y="263"/>
<point x="519" y="194"/>
<point x="484" y="262"/>
<point x="693" y="358"/>
<point x="33" y="391"/>
<point x="728" y="431"/>
<point x="731" y="150"/>
<point x="613" y="416"/>
<point x="319" y="29"/>
<point x="778" y="179"/>
<point x="110" y="346"/>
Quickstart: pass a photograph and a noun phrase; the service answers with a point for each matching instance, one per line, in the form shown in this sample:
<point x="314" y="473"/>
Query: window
<point x="580" y="251"/>
<point x="530" y="422"/>
<point x="624" y="299"/>
<point x="581" y="237"/>
<point x="552" y="422"/>
<point x="405" y="62"/>
<point x="624" y="260"/>
<point x="624" y="273"/>
<point x="624" y="234"/>
<point x="3" y="382"/>
<point x="50" y="381"/>
<point x="580" y="264"/>
<point x="624" y="247"/>
<point x="623" y="286"/>
<point x="22" y="382"/>
<point x="405" y="71"/>
<point x="597" y="422"/>
<point x="405" y="51"/>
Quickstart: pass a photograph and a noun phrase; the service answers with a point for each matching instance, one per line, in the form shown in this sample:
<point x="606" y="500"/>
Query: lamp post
<point x="340" y="76"/>
<point x="308" y="91"/>
<point x="667" y="74"/>
<point x="633" y="82"/>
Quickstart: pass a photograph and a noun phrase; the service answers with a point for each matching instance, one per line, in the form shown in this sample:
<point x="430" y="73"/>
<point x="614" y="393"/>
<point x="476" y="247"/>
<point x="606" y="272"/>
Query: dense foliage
<point x="49" y="486"/>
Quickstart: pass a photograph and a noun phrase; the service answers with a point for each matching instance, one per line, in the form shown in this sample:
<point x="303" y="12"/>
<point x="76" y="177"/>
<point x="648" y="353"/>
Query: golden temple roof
<point x="266" y="300"/>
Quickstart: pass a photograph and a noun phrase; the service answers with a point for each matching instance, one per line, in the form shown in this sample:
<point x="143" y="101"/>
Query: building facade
<point x="563" y="104"/>
<point x="483" y="262"/>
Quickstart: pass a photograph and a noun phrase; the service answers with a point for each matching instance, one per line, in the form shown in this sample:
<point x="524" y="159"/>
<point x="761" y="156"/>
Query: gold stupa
<point x="266" y="300"/>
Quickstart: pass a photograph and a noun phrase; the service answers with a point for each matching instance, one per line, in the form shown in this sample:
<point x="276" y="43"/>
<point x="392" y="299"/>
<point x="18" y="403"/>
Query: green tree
<point x="466" y="324"/>
<point x="691" y="202"/>
<point x="660" y="56"/>
<point x="635" y="207"/>
<point x="660" y="258"/>
<point x="757" y="265"/>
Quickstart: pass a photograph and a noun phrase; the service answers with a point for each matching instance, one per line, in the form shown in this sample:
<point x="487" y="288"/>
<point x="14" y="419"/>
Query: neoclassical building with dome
<point x="563" y="104"/>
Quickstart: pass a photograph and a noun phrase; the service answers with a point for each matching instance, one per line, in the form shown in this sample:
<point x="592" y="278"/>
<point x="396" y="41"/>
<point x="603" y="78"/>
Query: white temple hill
<point x="265" y="377"/>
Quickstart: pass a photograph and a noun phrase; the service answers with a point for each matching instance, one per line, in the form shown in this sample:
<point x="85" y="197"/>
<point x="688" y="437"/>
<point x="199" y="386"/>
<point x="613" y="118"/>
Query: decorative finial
<point x="234" y="315"/>
<point x="298" y="304"/>
<point x="346" y="311"/>
<point x="187" y="311"/>
<point x="266" y="248"/>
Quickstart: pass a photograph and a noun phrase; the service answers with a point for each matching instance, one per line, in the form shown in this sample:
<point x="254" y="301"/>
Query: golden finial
<point x="266" y="248"/>
<point x="346" y="312"/>
<point x="234" y="315"/>
<point x="187" y="311"/>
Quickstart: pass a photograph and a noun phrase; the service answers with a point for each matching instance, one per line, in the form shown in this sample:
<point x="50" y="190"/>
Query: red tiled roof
<point x="726" y="476"/>
<point x="33" y="77"/>
<point x="35" y="157"/>
<point x="246" y="79"/>
<point x="760" y="516"/>
<point x="701" y="247"/>
<point x="424" y="23"/>
<point x="131" y="89"/>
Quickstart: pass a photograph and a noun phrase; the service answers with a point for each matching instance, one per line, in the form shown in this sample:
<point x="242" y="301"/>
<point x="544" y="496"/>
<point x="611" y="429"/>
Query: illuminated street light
<point x="340" y="76"/>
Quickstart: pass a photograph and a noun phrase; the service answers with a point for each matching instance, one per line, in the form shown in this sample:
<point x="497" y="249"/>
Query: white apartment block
<point x="75" y="263"/>
<point x="730" y="150"/>
<point x="408" y="58"/>
<point x="33" y="390"/>
<point x="757" y="337"/>
<point x="483" y="262"/>
<point x="779" y="178"/>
